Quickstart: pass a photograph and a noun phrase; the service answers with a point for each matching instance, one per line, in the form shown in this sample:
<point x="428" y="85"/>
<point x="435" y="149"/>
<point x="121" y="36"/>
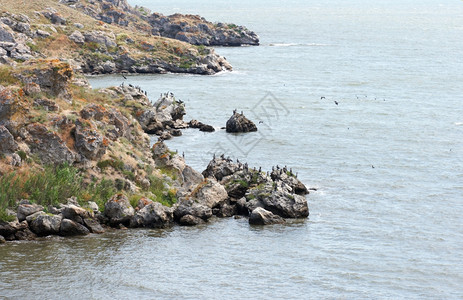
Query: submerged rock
<point x="239" y="123"/>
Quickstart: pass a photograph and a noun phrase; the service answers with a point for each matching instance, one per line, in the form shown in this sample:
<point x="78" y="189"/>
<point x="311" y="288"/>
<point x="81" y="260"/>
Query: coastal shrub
<point x="6" y="77"/>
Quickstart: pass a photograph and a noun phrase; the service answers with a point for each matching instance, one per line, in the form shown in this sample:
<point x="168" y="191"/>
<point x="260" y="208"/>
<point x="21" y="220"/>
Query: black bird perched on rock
<point x="241" y="112"/>
<point x="260" y="169"/>
<point x="234" y="111"/>
<point x="183" y="154"/>
<point x="213" y="156"/>
<point x="222" y="156"/>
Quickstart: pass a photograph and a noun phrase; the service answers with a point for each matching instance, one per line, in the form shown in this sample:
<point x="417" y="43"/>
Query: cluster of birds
<point x="359" y="97"/>
<point x="245" y="167"/>
<point x="135" y="87"/>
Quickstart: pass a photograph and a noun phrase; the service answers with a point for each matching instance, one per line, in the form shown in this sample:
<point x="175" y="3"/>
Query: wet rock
<point x="8" y="229"/>
<point x="118" y="210"/>
<point x="201" y="126"/>
<point x="25" y="235"/>
<point x="227" y="210"/>
<point x="153" y="215"/>
<point x="7" y="142"/>
<point x="260" y="216"/>
<point x="48" y="145"/>
<point x="44" y="224"/>
<point x="189" y="207"/>
<point x="239" y="123"/>
<point x="93" y="226"/>
<point x="71" y="228"/>
<point x="2" y="239"/>
<point x="25" y="210"/>
<point x="189" y="220"/>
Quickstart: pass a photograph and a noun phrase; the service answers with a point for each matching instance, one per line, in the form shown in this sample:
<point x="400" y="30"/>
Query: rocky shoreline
<point x="75" y="161"/>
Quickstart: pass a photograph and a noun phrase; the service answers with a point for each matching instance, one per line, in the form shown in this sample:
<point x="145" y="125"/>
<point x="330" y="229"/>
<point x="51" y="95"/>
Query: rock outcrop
<point x="239" y="123"/>
<point x="196" y="30"/>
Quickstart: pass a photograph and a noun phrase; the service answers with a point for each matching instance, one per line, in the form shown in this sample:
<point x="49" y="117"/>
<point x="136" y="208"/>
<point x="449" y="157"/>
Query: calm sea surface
<point x="386" y="221"/>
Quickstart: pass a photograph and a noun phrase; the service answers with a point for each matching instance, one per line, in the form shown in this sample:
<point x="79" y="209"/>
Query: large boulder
<point x="71" y="228"/>
<point x="154" y="215"/>
<point x="260" y="216"/>
<point x="118" y="210"/>
<point x="239" y="123"/>
<point x="211" y="193"/>
<point x="8" y="229"/>
<point x="76" y="214"/>
<point x="43" y="224"/>
<point x="189" y="207"/>
<point x="93" y="226"/>
<point x="220" y="167"/>
<point x="25" y="210"/>
<point x="100" y="38"/>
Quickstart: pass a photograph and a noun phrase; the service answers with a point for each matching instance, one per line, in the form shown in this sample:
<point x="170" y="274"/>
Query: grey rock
<point x="118" y="210"/>
<point x="191" y="177"/>
<point x="25" y="210"/>
<point x="154" y="215"/>
<point x="77" y="37"/>
<point x="93" y="206"/>
<point x="93" y="226"/>
<point x="189" y="220"/>
<point x="76" y="214"/>
<point x="260" y="216"/>
<point x="2" y="239"/>
<point x="16" y="160"/>
<point x="100" y="38"/>
<point x="71" y="228"/>
<point x="44" y="224"/>
<point x="5" y="35"/>
<point x="7" y="142"/>
<point x="42" y="33"/>
<point x="48" y="105"/>
<point x="211" y="194"/>
<point x="239" y="123"/>
<point x="189" y="207"/>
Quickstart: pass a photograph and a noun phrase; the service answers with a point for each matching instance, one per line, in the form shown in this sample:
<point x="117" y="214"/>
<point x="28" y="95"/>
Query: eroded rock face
<point x="239" y="123"/>
<point x="7" y="142"/>
<point x="119" y="210"/>
<point x="89" y="142"/>
<point x="260" y="216"/>
<point x="48" y="145"/>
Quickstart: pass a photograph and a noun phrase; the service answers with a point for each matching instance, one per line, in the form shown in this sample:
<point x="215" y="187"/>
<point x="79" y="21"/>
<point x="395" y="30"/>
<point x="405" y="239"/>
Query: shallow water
<point x="387" y="163"/>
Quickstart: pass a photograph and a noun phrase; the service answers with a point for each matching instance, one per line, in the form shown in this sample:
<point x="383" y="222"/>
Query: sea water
<point x="363" y="100"/>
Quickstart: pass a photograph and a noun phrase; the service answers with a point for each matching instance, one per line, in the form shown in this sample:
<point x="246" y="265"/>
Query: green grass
<point x="6" y="77"/>
<point x="51" y="186"/>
